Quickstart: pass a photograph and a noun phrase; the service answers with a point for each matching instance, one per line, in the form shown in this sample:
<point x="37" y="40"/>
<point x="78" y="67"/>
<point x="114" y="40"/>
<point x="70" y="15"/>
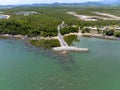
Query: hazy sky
<point x="12" y="2"/>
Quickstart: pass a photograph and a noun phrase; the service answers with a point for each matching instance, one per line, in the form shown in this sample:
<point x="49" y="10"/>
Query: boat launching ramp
<point x="64" y="46"/>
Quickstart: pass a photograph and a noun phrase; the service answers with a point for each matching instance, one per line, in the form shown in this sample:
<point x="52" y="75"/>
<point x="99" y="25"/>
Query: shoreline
<point x="38" y="41"/>
<point x="100" y="36"/>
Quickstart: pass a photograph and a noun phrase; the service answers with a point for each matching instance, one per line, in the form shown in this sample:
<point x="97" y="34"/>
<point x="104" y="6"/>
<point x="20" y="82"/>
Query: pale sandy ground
<point x="103" y="16"/>
<point x="113" y="17"/>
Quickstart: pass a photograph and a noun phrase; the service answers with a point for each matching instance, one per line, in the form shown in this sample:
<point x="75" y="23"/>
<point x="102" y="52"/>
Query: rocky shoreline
<point x="101" y="36"/>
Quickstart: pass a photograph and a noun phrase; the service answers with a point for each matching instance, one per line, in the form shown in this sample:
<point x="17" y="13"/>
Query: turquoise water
<point x="23" y="67"/>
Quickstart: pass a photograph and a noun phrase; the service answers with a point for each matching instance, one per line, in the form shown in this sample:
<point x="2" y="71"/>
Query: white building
<point x="26" y="13"/>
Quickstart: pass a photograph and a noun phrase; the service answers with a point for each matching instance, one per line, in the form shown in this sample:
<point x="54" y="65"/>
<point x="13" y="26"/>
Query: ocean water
<point x="24" y="67"/>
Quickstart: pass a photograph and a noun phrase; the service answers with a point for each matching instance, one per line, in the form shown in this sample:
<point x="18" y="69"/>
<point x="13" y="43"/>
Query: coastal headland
<point x="38" y="24"/>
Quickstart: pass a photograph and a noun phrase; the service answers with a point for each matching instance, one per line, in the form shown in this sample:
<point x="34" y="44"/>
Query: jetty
<point x="64" y="46"/>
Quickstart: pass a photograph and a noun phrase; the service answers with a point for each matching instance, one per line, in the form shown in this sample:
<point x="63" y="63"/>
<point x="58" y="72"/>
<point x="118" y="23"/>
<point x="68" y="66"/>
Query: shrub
<point x="109" y="32"/>
<point x="87" y="30"/>
<point x="117" y="34"/>
<point x="83" y="31"/>
<point x="98" y="30"/>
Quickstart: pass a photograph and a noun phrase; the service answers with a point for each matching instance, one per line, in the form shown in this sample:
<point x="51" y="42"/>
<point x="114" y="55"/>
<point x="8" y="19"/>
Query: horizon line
<point x="50" y="3"/>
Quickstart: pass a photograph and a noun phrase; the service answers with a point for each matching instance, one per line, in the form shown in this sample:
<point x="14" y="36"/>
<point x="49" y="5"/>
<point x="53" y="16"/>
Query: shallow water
<point x="23" y="67"/>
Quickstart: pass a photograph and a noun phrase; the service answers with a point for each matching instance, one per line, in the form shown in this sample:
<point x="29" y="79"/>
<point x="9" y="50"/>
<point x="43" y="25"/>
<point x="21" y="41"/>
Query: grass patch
<point x="47" y="44"/>
<point x="69" y="39"/>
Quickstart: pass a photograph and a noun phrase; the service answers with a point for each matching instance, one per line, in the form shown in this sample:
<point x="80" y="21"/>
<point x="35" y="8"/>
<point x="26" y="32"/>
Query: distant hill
<point x="100" y="3"/>
<point x="71" y="4"/>
<point x="111" y="2"/>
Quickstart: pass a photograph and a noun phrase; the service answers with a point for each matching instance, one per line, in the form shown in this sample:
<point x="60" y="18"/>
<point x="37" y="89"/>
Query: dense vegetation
<point x="112" y="32"/>
<point x="109" y="32"/>
<point x="117" y="34"/>
<point x="69" y="30"/>
<point x="85" y="30"/>
<point x="44" y="23"/>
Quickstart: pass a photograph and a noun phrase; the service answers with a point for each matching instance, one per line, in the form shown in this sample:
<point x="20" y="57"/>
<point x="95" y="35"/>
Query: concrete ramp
<point x="64" y="45"/>
<point x="61" y="40"/>
<point x="71" y="49"/>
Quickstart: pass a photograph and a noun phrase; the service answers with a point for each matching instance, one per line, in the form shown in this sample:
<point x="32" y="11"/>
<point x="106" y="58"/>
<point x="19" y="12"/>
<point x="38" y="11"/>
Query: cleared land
<point x="103" y="16"/>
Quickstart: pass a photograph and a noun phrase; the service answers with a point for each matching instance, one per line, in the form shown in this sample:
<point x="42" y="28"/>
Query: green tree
<point x="117" y="34"/>
<point x="109" y="32"/>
